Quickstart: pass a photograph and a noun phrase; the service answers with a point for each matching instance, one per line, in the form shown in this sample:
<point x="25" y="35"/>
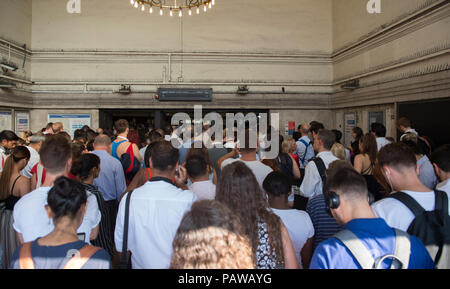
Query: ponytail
<point x="18" y="153"/>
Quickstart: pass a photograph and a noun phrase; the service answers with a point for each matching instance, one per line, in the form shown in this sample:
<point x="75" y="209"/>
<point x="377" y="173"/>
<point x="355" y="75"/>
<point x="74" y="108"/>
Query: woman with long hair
<point x="210" y="236"/>
<point x="365" y="163"/>
<point x="12" y="187"/>
<point x="240" y="191"/>
<point x="357" y="134"/>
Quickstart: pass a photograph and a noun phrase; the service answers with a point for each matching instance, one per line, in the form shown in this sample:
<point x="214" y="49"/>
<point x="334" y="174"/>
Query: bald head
<point x="304" y="129"/>
<point x="102" y="141"/>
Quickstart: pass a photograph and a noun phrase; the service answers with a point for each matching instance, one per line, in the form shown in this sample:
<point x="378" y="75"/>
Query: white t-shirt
<point x="398" y="215"/>
<point x="299" y="226"/>
<point x="381" y="142"/>
<point x="34" y="159"/>
<point x="204" y="190"/>
<point x="31" y="219"/>
<point x="156" y="211"/>
<point x="259" y="169"/>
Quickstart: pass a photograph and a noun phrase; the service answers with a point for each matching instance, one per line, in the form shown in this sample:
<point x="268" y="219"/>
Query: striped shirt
<point x="324" y="225"/>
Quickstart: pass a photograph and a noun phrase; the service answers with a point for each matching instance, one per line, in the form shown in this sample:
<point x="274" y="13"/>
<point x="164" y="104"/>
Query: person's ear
<point x="150" y="163"/>
<point x="417" y="170"/>
<point x="49" y="212"/>
<point x="437" y="170"/>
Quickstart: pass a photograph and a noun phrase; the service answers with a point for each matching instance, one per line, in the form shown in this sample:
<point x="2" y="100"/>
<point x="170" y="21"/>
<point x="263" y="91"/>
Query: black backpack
<point x="431" y="227"/>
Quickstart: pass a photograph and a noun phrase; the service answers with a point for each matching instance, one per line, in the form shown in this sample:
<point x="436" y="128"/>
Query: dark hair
<point x="338" y="135"/>
<point x="369" y="147"/>
<point x="54" y="153"/>
<point x="348" y="182"/>
<point x="358" y="131"/>
<point x="148" y="154"/>
<point x="327" y="137"/>
<point x="164" y="156"/>
<point x="66" y="197"/>
<point x="441" y="157"/>
<point x="154" y="136"/>
<point x="277" y="184"/>
<point x="315" y="126"/>
<point x="66" y="135"/>
<point x="79" y="133"/>
<point x="8" y="135"/>
<point x="168" y="129"/>
<point x="239" y="190"/>
<point x="121" y="125"/>
<point x="397" y="155"/>
<point x="17" y="154"/>
<point x="196" y="166"/>
<point x="247" y="147"/>
<point x="84" y="165"/>
<point x="296" y="136"/>
<point x="413" y="146"/>
<point x="378" y="128"/>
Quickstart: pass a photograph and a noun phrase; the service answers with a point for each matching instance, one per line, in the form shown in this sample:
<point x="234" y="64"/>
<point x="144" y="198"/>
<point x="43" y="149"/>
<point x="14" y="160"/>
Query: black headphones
<point x="332" y="200"/>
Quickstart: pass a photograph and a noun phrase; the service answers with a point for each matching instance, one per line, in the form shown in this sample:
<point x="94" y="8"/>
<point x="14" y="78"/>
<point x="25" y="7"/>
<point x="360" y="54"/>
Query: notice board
<point x="71" y="122"/>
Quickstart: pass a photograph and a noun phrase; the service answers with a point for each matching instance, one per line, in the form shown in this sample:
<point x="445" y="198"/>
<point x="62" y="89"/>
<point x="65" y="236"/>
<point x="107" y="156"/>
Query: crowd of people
<point x="102" y="200"/>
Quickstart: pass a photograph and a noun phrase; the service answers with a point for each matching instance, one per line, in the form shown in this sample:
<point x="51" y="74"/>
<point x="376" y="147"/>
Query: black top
<point x="11" y="201"/>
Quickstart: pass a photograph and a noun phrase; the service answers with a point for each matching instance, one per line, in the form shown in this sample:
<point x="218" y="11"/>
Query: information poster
<point x="5" y="120"/>
<point x="71" y="122"/>
<point x="22" y="121"/>
<point x="291" y="127"/>
<point x="349" y="124"/>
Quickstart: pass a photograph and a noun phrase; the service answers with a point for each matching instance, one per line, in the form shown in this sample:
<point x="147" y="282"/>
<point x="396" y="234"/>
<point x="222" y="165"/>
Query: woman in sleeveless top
<point x="12" y="187"/>
<point x="365" y="163"/>
<point x="121" y="144"/>
<point x="239" y="190"/>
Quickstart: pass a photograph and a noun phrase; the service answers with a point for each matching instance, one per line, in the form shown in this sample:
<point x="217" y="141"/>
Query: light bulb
<point x="213" y="2"/>
<point x="204" y="8"/>
<point x="132" y="2"/>
<point x="190" y="12"/>
<point x="151" y="10"/>
<point x="180" y="13"/>
<point x="136" y="5"/>
<point x="161" y="11"/>
<point x="143" y="7"/>
<point x="198" y="10"/>
<point x="210" y="5"/>
<point x="171" y="13"/>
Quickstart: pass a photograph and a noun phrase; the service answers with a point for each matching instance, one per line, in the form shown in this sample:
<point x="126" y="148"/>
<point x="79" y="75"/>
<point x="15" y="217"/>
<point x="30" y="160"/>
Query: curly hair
<point x="239" y="190"/>
<point x="211" y="237"/>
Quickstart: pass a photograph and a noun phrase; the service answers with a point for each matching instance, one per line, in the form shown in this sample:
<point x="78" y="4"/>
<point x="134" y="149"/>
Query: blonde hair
<point x="338" y="150"/>
<point x="211" y="237"/>
<point x="287" y="145"/>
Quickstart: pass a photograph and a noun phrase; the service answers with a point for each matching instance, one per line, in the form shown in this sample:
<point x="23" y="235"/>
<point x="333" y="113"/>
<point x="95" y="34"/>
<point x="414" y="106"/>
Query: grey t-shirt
<point x="56" y="257"/>
<point x="426" y="173"/>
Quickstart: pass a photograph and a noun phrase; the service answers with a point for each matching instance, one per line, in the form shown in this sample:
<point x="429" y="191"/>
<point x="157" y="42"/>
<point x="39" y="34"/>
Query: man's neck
<point x="124" y="135"/>
<point x="444" y="177"/>
<point x="362" y="211"/>
<point x="200" y="179"/>
<point x="279" y="203"/>
<point x="160" y="174"/>
<point x="410" y="182"/>
<point x="249" y="157"/>
<point x="50" y="179"/>
<point x="100" y="148"/>
<point x="321" y="150"/>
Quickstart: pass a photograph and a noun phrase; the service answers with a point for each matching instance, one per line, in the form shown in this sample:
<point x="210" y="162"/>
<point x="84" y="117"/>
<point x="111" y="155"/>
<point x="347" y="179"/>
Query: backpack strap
<point x="409" y="202"/>
<point x="306" y="150"/>
<point x="131" y="153"/>
<point x="80" y="259"/>
<point x="25" y="258"/>
<point x="402" y="249"/>
<point x="356" y="248"/>
<point x="321" y="169"/>
<point x="124" y="263"/>
<point x="441" y="206"/>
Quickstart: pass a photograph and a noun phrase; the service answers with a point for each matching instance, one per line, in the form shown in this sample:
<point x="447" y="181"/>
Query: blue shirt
<point x="56" y="257"/>
<point x="302" y="149"/>
<point x="184" y="149"/>
<point x="111" y="181"/>
<point x="325" y="226"/>
<point x="379" y="239"/>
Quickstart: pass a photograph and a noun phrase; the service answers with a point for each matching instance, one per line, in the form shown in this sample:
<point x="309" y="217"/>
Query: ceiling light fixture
<point x="174" y="6"/>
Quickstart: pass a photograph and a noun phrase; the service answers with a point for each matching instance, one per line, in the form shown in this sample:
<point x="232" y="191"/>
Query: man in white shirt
<point x="379" y="131"/>
<point x="305" y="150"/>
<point x="399" y="167"/>
<point x="312" y="182"/>
<point x="248" y="157"/>
<point x="30" y="217"/>
<point x="198" y="173"/>
<point x="441" y="164"/>
<point x="404" y="126"/>
<point x="156" y="210"/>
<point x="36" y="142"/>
